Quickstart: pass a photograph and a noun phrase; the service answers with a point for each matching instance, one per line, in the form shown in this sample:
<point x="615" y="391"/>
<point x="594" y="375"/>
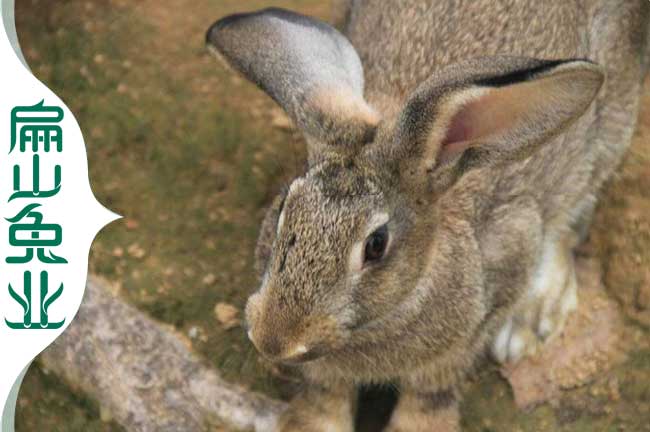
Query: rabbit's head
<point x="351" y="241"/>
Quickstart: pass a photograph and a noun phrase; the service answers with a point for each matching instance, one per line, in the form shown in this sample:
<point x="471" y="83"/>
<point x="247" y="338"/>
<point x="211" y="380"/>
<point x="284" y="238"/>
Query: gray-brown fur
<point x="475" y="222"/>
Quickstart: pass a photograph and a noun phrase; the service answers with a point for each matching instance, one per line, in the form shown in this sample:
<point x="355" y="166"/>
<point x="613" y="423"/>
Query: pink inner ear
<point x="460" y="128"/>
<point x="483" y="118"/>
<point x="463" y="129"/>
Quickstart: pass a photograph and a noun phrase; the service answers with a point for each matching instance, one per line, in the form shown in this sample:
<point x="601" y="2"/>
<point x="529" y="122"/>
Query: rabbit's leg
<point x="542" y="312"/>
<point x="320" y="409"/>
<point x="421" y="411"/>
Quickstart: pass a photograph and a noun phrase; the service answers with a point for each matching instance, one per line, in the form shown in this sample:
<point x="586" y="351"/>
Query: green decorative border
<point x="7" y="11"/>
<point x="9" y="410"/>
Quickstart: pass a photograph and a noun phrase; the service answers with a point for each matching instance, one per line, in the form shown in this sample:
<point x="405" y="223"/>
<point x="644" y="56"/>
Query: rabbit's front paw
<point x="422" y="411"/>
<point x="319" y="409"/>
<point x="541" y="314"/>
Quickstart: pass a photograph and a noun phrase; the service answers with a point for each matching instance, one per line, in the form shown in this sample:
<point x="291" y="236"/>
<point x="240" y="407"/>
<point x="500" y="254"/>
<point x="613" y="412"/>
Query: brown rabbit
<point x="445" y="191"/>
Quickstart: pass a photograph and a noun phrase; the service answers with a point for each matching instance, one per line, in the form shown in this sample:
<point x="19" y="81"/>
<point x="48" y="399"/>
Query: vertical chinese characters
<point x="35" y="129"/>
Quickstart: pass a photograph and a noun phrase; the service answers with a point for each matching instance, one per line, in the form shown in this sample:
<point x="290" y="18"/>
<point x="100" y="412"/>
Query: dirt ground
<point x="191" y="155"/>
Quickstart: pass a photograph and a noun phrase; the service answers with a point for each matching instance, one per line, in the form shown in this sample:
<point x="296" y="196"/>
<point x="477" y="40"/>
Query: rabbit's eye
<point x="376" y="244"/>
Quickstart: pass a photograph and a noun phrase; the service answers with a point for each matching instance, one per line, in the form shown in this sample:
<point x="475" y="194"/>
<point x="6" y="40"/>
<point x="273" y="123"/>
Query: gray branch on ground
<point x="145" y="376"/>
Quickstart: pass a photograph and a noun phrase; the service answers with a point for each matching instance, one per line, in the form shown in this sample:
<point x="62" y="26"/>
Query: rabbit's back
<point x="401" y="43"/>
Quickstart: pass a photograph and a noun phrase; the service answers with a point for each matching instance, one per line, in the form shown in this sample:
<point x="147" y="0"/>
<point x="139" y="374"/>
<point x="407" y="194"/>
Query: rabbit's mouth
<point x="310" y="355"/>
<point x="288" y="353"/>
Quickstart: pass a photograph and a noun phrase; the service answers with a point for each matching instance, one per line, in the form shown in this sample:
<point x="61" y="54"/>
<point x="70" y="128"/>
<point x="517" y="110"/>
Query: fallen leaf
<point x="226" y="315"/>
<point x="209" y="279"/>
<point x="136" y="251"/>
<point x="280" y="120"/>
<point x="131" y="224"/>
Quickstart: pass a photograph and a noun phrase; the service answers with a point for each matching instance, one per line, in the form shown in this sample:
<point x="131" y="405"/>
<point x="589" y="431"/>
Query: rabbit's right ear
<point x="492" y="111"/>
<point x="307" y="67"/>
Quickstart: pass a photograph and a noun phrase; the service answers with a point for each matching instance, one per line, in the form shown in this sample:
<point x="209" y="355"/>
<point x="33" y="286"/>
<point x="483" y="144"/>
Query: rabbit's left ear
<point x="494" y="109"/>
<point x="307" y="67"/>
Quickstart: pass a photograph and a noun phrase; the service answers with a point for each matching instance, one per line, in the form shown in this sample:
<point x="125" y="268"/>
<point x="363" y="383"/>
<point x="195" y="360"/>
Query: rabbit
<point x="455" y="152"/>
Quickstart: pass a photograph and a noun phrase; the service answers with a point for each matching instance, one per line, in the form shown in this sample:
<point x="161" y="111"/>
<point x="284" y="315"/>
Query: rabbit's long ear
<point x="307" y="67"/>
<point x="492" y="110"/>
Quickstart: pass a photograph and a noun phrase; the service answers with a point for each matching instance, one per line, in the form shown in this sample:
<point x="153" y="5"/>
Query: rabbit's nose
<point x="278" y="350"/>
<point x="267" y="343"/>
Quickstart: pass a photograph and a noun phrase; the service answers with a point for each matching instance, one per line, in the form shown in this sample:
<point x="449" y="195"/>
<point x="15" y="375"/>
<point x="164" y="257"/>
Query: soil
<point x="191" y="155"/>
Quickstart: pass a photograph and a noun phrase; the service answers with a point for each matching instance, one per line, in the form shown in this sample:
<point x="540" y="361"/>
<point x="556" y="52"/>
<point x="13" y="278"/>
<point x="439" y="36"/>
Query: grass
<point x="51" y="401"/>
<point x="174" y="152"/>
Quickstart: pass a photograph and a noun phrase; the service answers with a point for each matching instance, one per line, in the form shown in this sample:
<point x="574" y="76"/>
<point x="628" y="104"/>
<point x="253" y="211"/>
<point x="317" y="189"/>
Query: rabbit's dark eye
<point x="376" y="244"/>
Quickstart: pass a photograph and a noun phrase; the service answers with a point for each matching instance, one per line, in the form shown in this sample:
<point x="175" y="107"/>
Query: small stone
<point x="193" y="332"/>
<point x="32" y="54"/>
<point x="209" y="279"/>
<point x="131" y="224"/>
<point x="118" y="252"/>
<point x="97" y="132"/>
<point x="279" y="119"/>
<point x="226" y="315"/>
<point x="99" y="58"/>
<point x="136" y="251"/>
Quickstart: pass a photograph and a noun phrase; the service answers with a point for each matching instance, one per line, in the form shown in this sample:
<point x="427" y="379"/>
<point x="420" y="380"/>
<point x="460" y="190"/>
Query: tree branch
<point x="145" y="375"/>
